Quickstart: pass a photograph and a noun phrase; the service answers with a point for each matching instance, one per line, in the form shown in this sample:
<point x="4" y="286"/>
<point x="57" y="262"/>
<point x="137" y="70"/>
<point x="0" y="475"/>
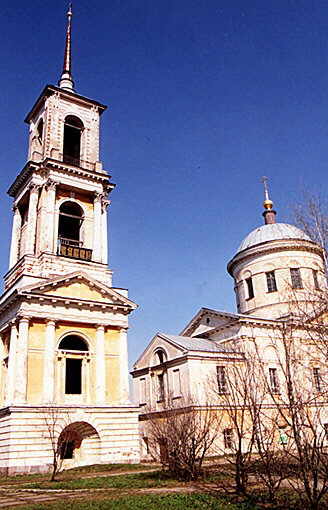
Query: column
<point x="104" y="257"/>
<point x="50" y="216"/>
<point x="11" y="365"/>
<point x="15" y="236"/>
<point x="97" y="227"/>
<point x="124" y="366"/>
<point x="100" y="365"/>
<point x="21" y="361"/>
<point x="32" y="218"/>
<point x="49" y="362"/>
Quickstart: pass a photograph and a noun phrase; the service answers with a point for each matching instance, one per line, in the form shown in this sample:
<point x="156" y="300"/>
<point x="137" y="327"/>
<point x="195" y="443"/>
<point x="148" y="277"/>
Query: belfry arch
<point x="73" y="129"/>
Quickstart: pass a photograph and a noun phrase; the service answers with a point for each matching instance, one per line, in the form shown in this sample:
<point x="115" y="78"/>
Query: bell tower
<point x="63" y="326"/>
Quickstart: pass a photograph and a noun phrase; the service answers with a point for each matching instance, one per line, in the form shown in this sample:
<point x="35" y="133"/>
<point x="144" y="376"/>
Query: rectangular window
<point x="221" y="378"/>
<point x="227" y="439"/>
<point x="295" y="275"/>
<point x="250" y="289"/>
<point x="142" y="387"/>
<point x="274" y="381"/>
<point x="271" y="281"/>
<point x="160" y="388"/>
<point x="176" y="383"/>
<point x="315" y="279"/>
<point x="317" y="379"/>
<point x="73" y="376"/>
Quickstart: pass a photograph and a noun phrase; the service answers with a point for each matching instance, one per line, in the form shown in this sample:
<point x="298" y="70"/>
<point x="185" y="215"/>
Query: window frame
<point x="271" y="281"/>
<point x="250" y="288"/>
<point x="274" y="380"/>
<point x="296" y="278"/>
<point x="317" y="380"/>
<point x="228" y="438"/>
<point x="221" y="377"/>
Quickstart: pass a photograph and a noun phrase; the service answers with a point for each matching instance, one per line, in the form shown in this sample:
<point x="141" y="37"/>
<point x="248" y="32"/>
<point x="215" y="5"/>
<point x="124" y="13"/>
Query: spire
<point x="66" y="81"/>
<point x="269" y="214"/>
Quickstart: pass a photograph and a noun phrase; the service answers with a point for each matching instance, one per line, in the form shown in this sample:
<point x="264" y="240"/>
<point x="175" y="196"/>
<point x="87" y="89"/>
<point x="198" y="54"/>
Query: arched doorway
<point x="78" y="445"/>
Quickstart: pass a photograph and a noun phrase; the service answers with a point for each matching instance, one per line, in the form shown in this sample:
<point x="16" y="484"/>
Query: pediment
<point x="207" y="320"/>
<point x="78" y="286"/>
<point x="159" y="341"/>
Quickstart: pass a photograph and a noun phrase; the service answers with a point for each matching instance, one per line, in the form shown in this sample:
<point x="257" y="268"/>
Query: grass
<point x="133" y="481"/>
<point x="149" y="502"/>
<point x="70" y="473"/>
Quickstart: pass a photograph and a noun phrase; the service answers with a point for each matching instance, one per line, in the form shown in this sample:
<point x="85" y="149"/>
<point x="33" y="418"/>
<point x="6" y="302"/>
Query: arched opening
<point x="79" y="441"/>
<point x="40" y="130"/>
<point x="75" y="348"/>
<point x="70" y="222"/>
<point x="73" y="128"/>
<point x="160" y="356"/>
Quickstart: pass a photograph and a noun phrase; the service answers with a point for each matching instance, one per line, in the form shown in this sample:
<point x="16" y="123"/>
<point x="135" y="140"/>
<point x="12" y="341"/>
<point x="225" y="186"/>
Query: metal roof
<point x="196" y="344"/>
<point x="272" y="232"/>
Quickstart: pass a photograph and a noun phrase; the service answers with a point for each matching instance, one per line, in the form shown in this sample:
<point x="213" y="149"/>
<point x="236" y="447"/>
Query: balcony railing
<point x="73" y="249"/>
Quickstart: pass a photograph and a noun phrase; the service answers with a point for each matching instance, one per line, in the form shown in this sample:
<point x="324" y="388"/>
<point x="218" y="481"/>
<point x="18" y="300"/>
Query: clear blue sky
<point x="204" y="98"/>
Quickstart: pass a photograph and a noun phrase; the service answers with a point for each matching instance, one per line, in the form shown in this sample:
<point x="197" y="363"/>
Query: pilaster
<point x="100" y="365"/>
<point x="49" y="362"/>
<point x="105" y="204"/>
<point x="21" y="361"/>
<point x="32" y="219"/>
<point x="15" y="236"/>
<point x="10" y="391"/>
<point x="50" y="216"/>
<point x="97" y="227"/>
<point x="124" y="366"/>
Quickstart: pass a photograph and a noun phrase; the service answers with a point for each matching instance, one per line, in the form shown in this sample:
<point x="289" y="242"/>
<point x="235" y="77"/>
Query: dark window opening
<point x="271" y="281"/>
<point x="317" y="379"/>
<point x="296" y="278"/>
<point x="227" y="438"/>
<point x="221" y="379"/>
<point x="40" y="130"/>
<point x="315" y="279"/>
<point x="208" y="320"/>
<point x="250" y="289"/>
<point x="274" y="381"/>
<point x="67" y="449"/>
<point x="161" y="357"/>
<point x="73" y="128"/>
<point x="70" y="221"/>
<point x="73" y="376"/>
<point x="73" y="343"/>
<point x="161" y="388"/>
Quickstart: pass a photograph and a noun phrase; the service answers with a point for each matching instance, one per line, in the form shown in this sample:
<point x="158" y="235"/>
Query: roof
<point x="272" y="232"/>
<point x="195" y="344"/>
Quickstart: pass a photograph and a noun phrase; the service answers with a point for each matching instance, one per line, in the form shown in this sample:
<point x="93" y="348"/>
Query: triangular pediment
<point x="159" y="341"/>
<point x="78" y="286"/>
<point x="206" y="320"/>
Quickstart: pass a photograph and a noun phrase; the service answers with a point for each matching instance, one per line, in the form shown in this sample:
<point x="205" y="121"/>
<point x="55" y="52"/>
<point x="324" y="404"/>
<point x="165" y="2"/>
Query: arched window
<point x="73" y="128"/>
<point x="70" y="222"/>
<point x="160" y="356"/>
<point x="73" y="363"/>
<point x="40" y="130"/>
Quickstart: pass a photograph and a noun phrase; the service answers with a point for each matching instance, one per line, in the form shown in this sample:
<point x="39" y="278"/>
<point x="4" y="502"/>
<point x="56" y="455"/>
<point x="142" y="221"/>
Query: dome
<point x="272" y="232"/>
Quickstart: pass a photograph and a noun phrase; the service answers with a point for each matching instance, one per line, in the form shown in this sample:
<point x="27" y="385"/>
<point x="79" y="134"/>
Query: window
<point x="208" y="320"/>
<point x="40" y="130"/>
<point x="73" y="363"/>
<point x="227" y="438"/>
<point x="176" y="383"/>
<point x="250" y="289"/>
<point x="274" y="381"/>
<point x="317" y="379"/>
<point x="160" y="388"/>
<point x="73" y="128"/>
<point x="315" y="279"/>
<point x="271" y="281"/>
<point x="296" y="278"/>
<point x="221" y="378"/>
<point x="70" y="222"/>
<point x="160" y="356"/>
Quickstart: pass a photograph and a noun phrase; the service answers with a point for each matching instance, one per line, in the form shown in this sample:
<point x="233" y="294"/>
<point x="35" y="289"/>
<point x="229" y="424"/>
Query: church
<point x="278" y="272"/>
<point x="63" y="326"/>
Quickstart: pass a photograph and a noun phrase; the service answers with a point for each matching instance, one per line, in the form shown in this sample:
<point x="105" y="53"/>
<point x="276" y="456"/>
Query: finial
<point x="66" y="80"/>
<point x="269" y="214"/>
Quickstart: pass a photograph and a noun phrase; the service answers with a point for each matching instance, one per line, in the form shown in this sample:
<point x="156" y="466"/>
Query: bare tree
<point x="181" y="435"/>
<point x="55" y="422"/>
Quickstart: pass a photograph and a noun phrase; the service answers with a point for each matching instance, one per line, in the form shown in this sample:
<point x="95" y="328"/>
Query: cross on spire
<point x="269" y="214"/>
<point x="66" y="79"/>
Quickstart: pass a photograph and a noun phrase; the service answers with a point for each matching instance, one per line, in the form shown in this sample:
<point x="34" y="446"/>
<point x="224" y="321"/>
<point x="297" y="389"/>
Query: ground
<point x="130" y="487"/>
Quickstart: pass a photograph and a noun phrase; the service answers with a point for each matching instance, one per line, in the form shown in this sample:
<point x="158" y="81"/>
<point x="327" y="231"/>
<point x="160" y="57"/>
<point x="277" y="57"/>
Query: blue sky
<point x="204" y="98"/>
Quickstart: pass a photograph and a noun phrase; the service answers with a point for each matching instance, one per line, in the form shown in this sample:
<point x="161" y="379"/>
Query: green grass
<point x="133" y="481"/>
<point x="148" y="502"/>
<point x="69" y="473"/>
